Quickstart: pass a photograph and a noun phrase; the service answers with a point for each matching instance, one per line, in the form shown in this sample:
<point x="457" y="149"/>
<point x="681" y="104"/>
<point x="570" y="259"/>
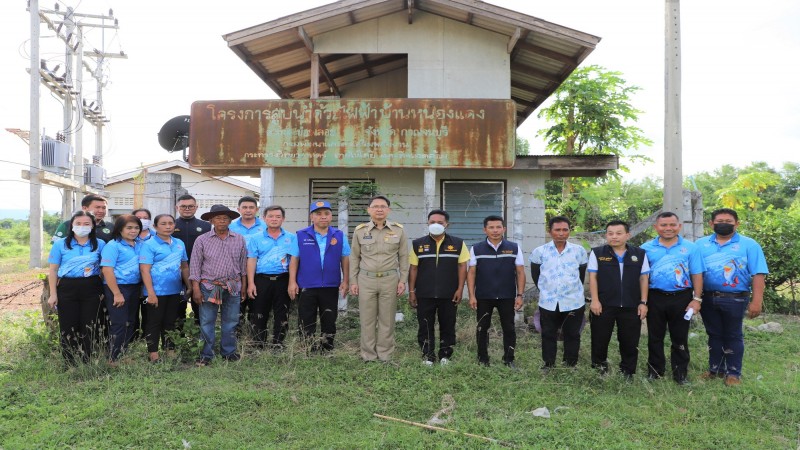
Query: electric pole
<point x="35" y="148"/>
<point x="673" y="158"/>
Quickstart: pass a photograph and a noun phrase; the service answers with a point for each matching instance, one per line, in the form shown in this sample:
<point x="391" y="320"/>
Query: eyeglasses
<point x="379" y="207"/>
<point x="187" y="206"/>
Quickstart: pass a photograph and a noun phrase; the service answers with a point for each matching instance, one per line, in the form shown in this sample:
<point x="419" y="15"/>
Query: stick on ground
<point x="435" y="428"/>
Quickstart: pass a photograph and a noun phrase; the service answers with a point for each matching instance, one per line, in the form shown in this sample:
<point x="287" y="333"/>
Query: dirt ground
<point x="20" y="291"/>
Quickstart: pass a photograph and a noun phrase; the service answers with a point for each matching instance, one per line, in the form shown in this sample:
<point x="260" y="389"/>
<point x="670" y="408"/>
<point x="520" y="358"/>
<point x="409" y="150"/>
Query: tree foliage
<point x="592" y="114"/>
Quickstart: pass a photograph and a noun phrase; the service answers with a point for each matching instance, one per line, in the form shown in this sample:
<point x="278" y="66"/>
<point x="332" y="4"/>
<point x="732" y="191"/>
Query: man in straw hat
<point x="218" y="273"/>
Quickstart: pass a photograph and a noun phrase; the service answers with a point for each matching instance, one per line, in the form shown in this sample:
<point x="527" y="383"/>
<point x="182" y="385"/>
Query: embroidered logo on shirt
<point x="604" y="258"/>
<point x="333" y="240"/>
<point x="106" y="230"/>
<point x="634" y="258"/>
<point x="450" y="248"/>
<point x="199" y="229"/>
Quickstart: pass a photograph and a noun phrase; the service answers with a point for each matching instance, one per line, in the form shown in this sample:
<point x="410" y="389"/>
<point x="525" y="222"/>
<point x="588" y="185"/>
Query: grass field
<point x="291" y="400"/>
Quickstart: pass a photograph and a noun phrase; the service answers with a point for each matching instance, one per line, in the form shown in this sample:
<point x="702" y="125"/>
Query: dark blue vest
<point x="437" y="280"/>
<point x="496" y="272"/>
<point x="312" y="274"/>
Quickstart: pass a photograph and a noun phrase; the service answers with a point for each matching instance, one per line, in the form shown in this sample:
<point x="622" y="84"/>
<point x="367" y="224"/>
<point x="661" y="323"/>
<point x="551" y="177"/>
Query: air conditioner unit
<point x="94" y="175"/>
<point x="56" y="156"/>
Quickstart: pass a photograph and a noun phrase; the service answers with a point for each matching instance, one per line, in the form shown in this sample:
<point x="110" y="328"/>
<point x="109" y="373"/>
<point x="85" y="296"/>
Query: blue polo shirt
<point x="79" y="261"/>
<point x="272" y="254"/>
<point x="237" y="227"/>
<point x="124" y="258"/>
<point x="165" y="259"/>
<point x="730" y="267"/>
<point x="671" y="268"/>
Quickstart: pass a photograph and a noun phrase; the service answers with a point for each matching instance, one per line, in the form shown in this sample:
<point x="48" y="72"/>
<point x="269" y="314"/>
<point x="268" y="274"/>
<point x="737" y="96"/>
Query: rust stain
<point x="435" y="133"/>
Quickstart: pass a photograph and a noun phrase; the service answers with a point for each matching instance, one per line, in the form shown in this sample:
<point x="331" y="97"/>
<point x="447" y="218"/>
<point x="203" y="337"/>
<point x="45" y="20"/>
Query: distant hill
<point x="17" y="214"/>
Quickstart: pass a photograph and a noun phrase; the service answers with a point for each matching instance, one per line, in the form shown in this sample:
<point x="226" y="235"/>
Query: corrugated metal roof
<point x="542" y="57"/>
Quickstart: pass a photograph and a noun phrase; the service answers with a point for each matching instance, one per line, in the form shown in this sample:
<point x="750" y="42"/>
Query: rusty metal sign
<point x="432" y="133"/>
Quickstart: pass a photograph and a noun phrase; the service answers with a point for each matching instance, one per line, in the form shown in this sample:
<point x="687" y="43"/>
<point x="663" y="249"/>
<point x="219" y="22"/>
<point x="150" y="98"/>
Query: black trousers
<point x="505" y="309"/>
<point x="322" y="302"/>
<point x="666" y="312"/>
<point x="181" y="311"/>
<point x="141" y="318"/>
<point x="629" y="329"/>
<point x="427" y="309"/>
<point x="161" y="320"/>
<point x="569" y="322"/>
<point x="273" y="296"/>
<point x="245" y="311"/>
<point x="78" y="306"/>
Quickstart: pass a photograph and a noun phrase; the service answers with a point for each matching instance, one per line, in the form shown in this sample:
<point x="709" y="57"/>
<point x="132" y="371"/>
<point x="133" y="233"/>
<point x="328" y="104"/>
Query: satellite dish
<point x="174" y="135"/>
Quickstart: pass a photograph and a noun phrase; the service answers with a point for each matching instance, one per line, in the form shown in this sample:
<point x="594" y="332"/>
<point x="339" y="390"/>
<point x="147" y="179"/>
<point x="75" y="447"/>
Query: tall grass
<point x="292" y="400"/>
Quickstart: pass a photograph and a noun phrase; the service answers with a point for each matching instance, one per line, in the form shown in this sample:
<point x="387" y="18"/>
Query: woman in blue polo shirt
<point x="165" y="273"/>
<point x="145" y="217"/>
<point x="75" y="286"/>
<point x="119" y="263"/>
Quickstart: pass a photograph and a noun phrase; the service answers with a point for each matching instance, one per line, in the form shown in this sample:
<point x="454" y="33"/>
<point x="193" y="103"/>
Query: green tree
<point x="592" y="114"/>
<point x="522" y="147"/>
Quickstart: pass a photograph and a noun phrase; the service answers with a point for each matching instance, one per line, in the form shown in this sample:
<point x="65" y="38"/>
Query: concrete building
<point x="458" y="52"/>
<point x="173" y="178"/>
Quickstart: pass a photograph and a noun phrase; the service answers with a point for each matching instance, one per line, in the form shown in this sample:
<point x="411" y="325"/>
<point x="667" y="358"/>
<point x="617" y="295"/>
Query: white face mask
<point x="435" y="229"/>
<point x="82" y="231"/>
<point x="145" y="224"/>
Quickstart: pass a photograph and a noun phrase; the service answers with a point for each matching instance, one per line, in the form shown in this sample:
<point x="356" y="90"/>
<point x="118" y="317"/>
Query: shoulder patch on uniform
<point x="361" y="226"/>
<point x="397" y="224"/>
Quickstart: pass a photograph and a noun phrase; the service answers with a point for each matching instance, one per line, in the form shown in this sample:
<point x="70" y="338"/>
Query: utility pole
<point x="35" y="145"/>
<point x="673" y="158"/>
<point x="68" y="200"/>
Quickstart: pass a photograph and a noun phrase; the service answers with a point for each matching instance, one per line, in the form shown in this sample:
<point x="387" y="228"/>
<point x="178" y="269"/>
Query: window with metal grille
<point x="358" y="191"/>
<point x="468" y="203"/>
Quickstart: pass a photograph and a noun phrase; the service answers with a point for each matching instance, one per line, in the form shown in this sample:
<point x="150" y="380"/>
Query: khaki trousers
<point x="377" y="305"/>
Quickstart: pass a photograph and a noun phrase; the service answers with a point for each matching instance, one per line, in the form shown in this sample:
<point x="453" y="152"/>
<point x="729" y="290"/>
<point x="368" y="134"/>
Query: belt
<point x="379" y="274"/>
<point x="670" y="293"/>
<point x="272" y="277"/>
<point x="720" y="294"/>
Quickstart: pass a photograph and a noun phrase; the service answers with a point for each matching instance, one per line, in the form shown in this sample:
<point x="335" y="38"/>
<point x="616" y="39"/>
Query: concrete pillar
<point x="267" y="186"/>
<point x="517" y="236"/>
<point x="343" y="224"/>
<point x="161" y="189"/>
<point x="429" y="192"/>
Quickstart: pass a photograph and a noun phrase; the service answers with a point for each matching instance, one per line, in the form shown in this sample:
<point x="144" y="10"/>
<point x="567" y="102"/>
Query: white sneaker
<point x="425" y="362"/>
<point x="444" y="361"/>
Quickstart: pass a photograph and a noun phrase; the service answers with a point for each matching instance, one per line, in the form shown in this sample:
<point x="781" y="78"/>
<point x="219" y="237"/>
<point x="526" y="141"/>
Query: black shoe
<point x="653" y="376"/>
<point x="202" y="362"/>
<point x="483" y="363"/>
<point x="511" y="365"/>
<point x="546" y="368"/>
<point x="628" y="377"/>
<point x="682" y="381"/>
<point x="233" y="357"/>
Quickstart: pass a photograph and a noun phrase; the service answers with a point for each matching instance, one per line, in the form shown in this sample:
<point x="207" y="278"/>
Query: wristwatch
<point x="518" y="295"/>
<point x="698" y="299"/>
<point x="643" y="303"/>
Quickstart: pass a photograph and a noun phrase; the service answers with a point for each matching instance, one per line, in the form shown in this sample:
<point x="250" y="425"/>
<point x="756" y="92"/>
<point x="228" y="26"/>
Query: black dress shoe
<point x="233" y="357"/>
<point x="682" y="381"/>
<point x="511" y="365"/>
<point x="483" y="363"/>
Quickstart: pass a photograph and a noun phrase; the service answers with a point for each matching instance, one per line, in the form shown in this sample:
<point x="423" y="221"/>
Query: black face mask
<point x="723" y="229"/>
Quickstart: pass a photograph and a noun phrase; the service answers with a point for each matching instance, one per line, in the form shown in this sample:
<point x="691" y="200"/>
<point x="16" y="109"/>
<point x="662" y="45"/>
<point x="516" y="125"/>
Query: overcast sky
<point x="741" y="97"/>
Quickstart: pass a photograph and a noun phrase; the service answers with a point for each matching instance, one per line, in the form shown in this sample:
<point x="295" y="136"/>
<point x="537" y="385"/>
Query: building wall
<point x="446" y="59"/>
<point x="208" y="191"/>
<point x="404" y="187"/>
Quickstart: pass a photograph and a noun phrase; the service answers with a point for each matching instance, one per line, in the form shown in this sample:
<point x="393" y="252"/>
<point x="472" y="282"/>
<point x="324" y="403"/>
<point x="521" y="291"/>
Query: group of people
<point x="246" y="268"/>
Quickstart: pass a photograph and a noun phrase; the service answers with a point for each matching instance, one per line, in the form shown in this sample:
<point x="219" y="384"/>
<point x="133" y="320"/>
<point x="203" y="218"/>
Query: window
<point x="359" y="191"/>
<point x="468" y="203"/>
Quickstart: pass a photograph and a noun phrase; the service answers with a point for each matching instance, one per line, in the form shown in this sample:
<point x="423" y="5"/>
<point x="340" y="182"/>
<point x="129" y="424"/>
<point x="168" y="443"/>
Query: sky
<point x="740" y="97"/>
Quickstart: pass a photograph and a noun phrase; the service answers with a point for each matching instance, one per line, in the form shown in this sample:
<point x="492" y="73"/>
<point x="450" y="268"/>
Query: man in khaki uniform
<point x="378" y="273"/>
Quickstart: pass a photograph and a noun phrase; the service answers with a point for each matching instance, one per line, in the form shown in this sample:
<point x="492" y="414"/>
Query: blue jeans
<point x="723" y="317"/>
<point x="229" y="317"/>
<point x="123" y="318"/>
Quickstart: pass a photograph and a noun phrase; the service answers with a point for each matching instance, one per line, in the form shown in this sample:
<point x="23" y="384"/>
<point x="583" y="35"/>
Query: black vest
<point x="496" y="271"/>
<point x="437" y="280"/>
<point x="612" y="290"/>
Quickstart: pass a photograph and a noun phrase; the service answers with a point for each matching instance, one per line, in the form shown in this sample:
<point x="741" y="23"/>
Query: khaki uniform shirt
<point x="379" y="250"/>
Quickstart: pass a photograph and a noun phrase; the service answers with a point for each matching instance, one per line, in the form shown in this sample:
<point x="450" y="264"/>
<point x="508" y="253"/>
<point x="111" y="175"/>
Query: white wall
<point x="446" y="59"/>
